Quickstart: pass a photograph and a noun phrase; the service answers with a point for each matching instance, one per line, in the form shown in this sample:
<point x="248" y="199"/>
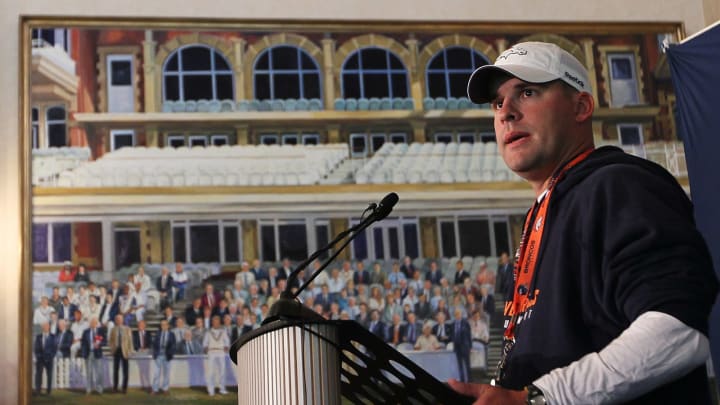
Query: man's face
<point x="533" y="126"/>
<point x="141" y="325"/>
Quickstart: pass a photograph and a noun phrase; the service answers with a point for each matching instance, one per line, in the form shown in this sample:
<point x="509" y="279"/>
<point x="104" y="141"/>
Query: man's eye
<point x="497" y="105"/>
<point x="528" y="92"/>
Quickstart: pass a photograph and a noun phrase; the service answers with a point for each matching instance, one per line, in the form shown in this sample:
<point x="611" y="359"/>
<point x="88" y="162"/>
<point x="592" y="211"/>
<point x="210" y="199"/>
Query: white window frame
<point x="49" y="122"/>
<point x="365" y="151"/>
<point x="455" y="220"/>
<point x="308" y="223"/>
<point x="175" y="137"/>
<point x="630" y="57"/>
<point x="221" y="224"/>
<point x="108" y="85"/>
<point x="393" y="135"/>
<point x="203" y="138"/>
<point x="377" y="135"/>
<point x="472" y="135"/>
<point x="438" y="135"/>
<point x="263" y="137"/>
<point x="219" y="136"/>
<point x="384" y="226"/>
<point x="636" y="126"/>
<point x="120" y="132"/>
<point x="50" y="241"/>
<point x="305" y="138"/>
<point x="285" y="137"/>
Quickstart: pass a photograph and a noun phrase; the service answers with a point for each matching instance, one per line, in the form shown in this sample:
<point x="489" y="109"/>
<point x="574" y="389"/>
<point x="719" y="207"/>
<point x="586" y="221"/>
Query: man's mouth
<point x="515" y="136"/>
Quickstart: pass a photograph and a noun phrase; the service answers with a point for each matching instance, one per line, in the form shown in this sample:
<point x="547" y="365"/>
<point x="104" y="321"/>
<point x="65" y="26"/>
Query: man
<point x="207" y="317"/>
<point x="216" y="345"/>
<point x="78" y="327"/>
<point x="121" y="347"/>
<point x="441" y="330"/>
<point x="411" y="330"/>
<point x="377" y="326"/>
<point x="142" y="341"/>
<point x="422" y="307"/>
<point x="408" y="268"/>
<point x="43" y="311"/>
<point x="361" y="275"/>
<point x="460" y="273"/>
<point x="324" y="298"/>
<point x="169" y="315"/>
<point x="163" y="352"/>
<point x="245" y="275"/>
<point x="211" y="298"/>
<point x="504" y="275"/>
<point x="115" y="290"/>
<point x="136" y="305"/>
<point x="143" y="279"/>
<point x="93" y="339"/>
<point x="64" y="339"/>
<point x="618" y="227"/>
<point x="108" y="311"/>
<point x="377" y="276"/>
<point x="395" y="275"/>
<point x="44" y="349"/>
<point x="462" y="344"/>
<point x="187" y="345"/>
<point x="82" y="276"/>
<point x="394" y="330"/>
<point x="179" y="329"/>
<point x="427" y="341"/>
<point x="180" y="280"/>
<point x="55" y="299"/>
<point x="434" y="274"/>
<point x="363" y="316"/>
<point x="66" y="310"/>
<point x="258" y="271"/>
<point x="164" y="285"/>
<point x="193" y="311"/>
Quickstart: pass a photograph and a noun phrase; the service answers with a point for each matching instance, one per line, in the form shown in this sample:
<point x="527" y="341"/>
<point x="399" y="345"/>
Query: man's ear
<point x="584" y="107"/>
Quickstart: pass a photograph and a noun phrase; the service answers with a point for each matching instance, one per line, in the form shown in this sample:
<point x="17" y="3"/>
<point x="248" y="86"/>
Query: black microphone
<point x="386" y="206"/>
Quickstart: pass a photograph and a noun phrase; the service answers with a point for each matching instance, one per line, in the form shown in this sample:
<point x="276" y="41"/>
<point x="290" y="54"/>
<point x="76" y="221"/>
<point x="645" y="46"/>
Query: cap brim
<point x="479" y="90"/>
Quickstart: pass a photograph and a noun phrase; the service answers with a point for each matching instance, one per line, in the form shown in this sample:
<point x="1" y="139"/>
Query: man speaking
<point x="613" y="284"/>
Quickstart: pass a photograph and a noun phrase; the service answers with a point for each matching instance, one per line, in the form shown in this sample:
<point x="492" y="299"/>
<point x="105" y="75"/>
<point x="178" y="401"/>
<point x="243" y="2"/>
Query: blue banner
<point x="695" y="72"/>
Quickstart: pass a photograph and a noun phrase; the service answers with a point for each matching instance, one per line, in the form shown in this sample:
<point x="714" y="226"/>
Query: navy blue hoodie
<point x="620" y="240"/>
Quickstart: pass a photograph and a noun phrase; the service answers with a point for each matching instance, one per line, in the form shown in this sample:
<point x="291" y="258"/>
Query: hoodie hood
<point x="610" y="155"/>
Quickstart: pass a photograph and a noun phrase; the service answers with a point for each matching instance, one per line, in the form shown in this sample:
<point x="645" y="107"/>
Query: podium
<point x="319" y="362"/>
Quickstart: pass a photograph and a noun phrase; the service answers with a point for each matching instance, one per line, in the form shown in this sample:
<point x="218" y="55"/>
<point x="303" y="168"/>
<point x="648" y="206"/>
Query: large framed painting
<point x="177" y="170"/>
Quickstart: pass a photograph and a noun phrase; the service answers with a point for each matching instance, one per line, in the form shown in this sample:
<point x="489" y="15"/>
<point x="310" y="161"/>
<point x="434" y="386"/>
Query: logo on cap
<point x="513" y="51"/>
<point x="575" y="79"/>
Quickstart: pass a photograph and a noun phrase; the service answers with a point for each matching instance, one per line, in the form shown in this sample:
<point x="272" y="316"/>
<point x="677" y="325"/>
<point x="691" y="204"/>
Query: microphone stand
<point x="287" y="307"/>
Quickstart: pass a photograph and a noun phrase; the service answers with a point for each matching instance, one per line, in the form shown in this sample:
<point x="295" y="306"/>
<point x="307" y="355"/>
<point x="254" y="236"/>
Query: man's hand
<point x="489" y="395"/>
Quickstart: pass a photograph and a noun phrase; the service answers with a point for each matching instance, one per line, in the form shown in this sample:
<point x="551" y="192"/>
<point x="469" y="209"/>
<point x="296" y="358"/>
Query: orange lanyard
<point x="530" y="244"/>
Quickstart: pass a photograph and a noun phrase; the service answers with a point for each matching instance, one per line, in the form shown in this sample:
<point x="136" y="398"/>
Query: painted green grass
<point x="135" y="396"/>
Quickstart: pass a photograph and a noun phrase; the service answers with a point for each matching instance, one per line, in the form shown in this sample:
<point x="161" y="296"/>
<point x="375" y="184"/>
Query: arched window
<point x="449" y="70"/>
<point x="56" y="129"/>
<point x="374" y="72"/>
<point x="286" y="72"/>
<point x="197" y="72"/>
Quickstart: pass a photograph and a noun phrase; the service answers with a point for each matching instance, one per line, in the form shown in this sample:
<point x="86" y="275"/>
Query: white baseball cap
<point x="533" y="62"/>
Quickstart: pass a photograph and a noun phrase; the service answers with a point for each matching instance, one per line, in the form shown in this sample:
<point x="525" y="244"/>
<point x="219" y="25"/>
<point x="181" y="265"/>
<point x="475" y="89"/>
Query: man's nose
<point x="507" y="112"/>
